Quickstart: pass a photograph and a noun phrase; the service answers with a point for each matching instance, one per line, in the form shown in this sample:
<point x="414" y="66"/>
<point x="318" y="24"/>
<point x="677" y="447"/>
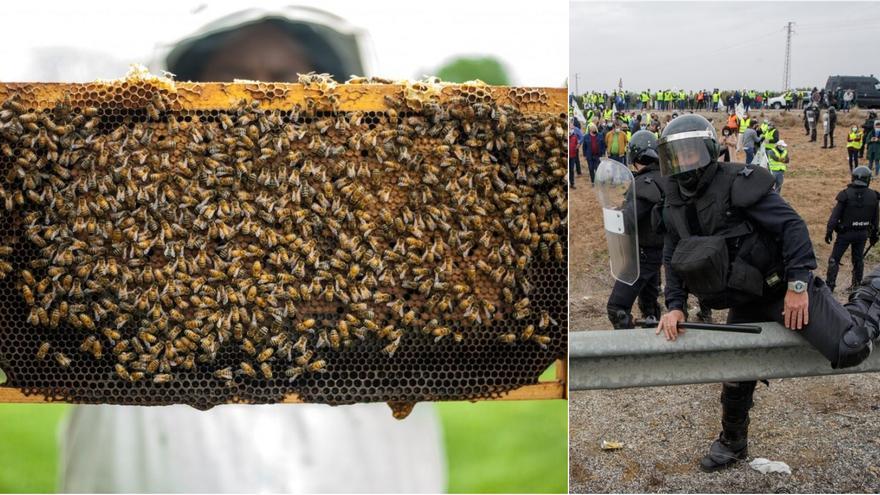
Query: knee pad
<point x="620" y="318"/>
<point x="864" y="307"/>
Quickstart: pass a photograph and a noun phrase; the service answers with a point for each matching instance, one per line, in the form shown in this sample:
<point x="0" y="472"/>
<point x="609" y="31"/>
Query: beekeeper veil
<point x="321" y="41"/>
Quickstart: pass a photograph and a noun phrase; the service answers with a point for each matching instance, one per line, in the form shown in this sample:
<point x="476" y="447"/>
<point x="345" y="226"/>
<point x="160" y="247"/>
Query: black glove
<point x="828" y="237"/>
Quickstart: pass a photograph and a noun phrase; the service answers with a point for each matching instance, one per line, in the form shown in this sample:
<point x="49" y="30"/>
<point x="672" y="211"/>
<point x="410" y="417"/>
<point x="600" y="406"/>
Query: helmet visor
<point x="684" y="152"/>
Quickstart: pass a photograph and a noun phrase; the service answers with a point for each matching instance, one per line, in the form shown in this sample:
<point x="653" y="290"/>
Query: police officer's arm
<point x="674" y="292"/>
<point x="776" y="216"/>
<point x="875" y="218"/>
<point x="836" y="215"/>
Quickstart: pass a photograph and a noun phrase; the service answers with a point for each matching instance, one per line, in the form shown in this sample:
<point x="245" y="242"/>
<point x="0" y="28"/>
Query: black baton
<point x="718" y="327"/>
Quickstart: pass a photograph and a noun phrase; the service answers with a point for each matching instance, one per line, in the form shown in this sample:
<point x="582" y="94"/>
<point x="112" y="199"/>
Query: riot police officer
<point x="854" y="218"/>
<point x="735" y="243"/>
<point x="641" y="152"/>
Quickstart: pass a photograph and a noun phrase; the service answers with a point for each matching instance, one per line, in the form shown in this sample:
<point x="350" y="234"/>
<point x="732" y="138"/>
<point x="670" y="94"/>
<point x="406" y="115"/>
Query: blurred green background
<point x="490" y="70"/>
<point x="491" y="447"/>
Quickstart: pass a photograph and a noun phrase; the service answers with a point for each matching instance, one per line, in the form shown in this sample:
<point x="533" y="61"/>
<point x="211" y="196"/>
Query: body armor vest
<point x="861" y="204"/>
<point x="755" y="268"/>
<point x="649" y="189"/>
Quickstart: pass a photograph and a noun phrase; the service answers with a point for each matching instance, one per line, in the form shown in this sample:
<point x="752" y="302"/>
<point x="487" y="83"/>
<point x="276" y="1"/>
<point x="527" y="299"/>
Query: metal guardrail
<point x="638" y="358"/>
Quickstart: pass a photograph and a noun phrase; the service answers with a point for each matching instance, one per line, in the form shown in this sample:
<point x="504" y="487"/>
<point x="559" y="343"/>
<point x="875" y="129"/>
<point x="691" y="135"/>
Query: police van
<point x="866" y="88"/>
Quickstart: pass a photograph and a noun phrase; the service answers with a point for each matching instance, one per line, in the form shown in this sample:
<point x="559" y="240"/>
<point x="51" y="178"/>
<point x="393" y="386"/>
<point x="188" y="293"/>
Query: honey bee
<point x="62" y="360"/>
<point x="163" y="378"/>
<point x="319" y="366"/>
<point x="43" y="351"/>
<point x="541" y="340"/>
<point x="265" y="354"/>
<point x="439" y="333"/>
<point x="122" y="372"/>
<point x="507" y="338"/>
<point x="28" y="295"/>
<point x="408" y="317"/>
<point x="293" y="373"/>
<point x="266" y="370"/>
<point x="245" y="368"/>
<point x="391" y="348"/>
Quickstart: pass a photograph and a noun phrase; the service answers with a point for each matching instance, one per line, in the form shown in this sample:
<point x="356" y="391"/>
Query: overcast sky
<point x="725" y="45"/>
<point x="99" y="38"/>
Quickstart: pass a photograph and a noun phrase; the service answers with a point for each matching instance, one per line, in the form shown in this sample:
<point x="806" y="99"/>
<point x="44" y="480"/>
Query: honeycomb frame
<point x="489" y="370"/>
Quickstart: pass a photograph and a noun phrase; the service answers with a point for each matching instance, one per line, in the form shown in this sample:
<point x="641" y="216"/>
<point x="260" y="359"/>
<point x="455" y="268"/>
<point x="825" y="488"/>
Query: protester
<point x="873" y="146"/>
<point x="615" y="143"/>
<point x="593" y="149"/>
<point x="728" y="144"/>
<point x="751" y="141"/>
<point x="777" y="156"/>
<point x="853" y="145"/>
<point x="574" y="141"/>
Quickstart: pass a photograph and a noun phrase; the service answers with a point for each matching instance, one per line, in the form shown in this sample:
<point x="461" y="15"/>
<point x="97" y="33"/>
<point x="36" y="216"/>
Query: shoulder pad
<point x="648" y="189"/>
<point x="750" y="185"/>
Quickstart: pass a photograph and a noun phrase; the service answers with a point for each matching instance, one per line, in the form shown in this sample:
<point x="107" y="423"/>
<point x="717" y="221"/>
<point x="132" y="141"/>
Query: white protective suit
<point x="263" y="449"/>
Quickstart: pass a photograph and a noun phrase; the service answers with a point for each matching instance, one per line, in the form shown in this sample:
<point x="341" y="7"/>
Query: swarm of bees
<point x="164" y="241"/>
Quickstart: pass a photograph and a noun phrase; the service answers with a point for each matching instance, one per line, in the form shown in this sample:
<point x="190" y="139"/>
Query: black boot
<point x="732" y="444"/>
<point x="831" y="274"/>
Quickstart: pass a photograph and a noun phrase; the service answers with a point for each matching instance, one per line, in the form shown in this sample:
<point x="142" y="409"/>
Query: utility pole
<point x="576" y="77"/>
<point x="786" y="75"/>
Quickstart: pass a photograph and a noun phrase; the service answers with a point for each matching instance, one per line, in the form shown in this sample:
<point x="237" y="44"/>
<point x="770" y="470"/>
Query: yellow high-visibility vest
<point x="744" y="124"/>
<point x="854" y="140"/>
<point x="777" y="159"/>
<point x="769" y="136"/>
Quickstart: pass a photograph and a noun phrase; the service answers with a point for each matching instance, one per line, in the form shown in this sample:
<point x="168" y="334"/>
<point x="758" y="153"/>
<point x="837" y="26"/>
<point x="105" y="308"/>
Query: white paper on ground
<point x="763" y="465"/>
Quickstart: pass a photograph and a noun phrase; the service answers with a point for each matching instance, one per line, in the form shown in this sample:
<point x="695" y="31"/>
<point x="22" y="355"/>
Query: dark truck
<point x="867" y="89"/>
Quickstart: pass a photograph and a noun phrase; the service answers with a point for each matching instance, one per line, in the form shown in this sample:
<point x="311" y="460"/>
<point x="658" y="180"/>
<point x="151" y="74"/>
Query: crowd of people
<point x="716" y="100"/>
<point x="608" y="133"/>
<point x="601" y="131"/>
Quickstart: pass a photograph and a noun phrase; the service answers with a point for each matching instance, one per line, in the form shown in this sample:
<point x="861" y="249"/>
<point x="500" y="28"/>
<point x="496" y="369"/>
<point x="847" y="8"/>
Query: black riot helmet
<point x="642" y="148"/>
<point x="688" y="143"/>
<point x="861" y="176"/>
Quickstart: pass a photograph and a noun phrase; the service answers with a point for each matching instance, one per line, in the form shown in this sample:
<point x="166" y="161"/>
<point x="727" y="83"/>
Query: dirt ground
<point x="826" y="428"/>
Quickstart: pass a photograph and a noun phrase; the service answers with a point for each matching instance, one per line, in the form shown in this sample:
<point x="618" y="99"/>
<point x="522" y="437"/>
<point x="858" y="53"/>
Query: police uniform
<point x="854" y="219"/>
<point x="647" y="288"/>
<point x="735" y="243"/>
<point x="811" y="120"/>
<point x="648" y="196"/>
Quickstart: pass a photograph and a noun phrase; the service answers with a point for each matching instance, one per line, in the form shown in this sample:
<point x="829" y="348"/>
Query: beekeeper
<point x="266" y="448"/>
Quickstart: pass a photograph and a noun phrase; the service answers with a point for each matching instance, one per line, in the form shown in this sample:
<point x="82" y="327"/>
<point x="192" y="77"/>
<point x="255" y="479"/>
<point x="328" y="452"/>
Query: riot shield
<point x="615" y="189"/>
